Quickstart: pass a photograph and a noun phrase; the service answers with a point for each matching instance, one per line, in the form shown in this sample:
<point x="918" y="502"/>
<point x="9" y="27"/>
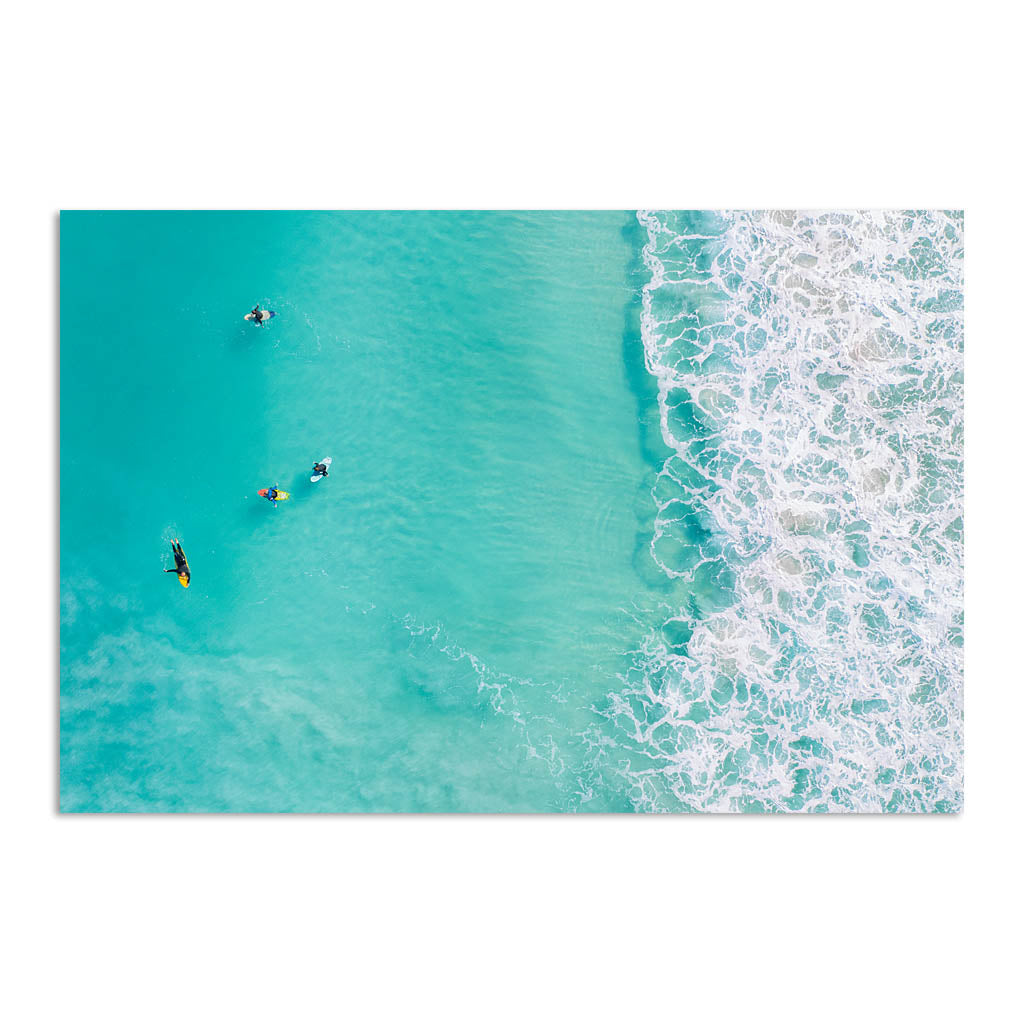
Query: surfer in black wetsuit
<point x="180" y="564"/>
<point x="320" y="468"/>
<point x="257" y="316"/>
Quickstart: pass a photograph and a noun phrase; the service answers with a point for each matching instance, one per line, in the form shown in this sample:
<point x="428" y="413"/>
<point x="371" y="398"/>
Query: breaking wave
<point x="810" y="386"/>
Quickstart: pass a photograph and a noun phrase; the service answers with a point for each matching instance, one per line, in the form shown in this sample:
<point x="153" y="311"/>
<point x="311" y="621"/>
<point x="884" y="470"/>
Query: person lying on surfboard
<point x="257" y="316"/>
<point x="180" y="564"/>
<point x="321" y="468"/>
<point x="271" y="494"/>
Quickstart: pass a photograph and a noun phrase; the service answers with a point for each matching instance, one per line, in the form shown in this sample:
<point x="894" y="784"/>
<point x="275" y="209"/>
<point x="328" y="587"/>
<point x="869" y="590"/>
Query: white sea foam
<point x="810" y="374"/>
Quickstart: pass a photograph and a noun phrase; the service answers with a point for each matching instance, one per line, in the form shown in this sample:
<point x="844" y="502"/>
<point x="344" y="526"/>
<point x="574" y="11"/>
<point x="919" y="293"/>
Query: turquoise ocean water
<point x="627" y="512"/>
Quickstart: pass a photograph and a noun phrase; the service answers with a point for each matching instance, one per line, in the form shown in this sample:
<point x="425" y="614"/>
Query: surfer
<point x="320" y="469"/>
<point x="271" y="494"/>
<point x="180" y="564"/>
<point x="257" y="316"/>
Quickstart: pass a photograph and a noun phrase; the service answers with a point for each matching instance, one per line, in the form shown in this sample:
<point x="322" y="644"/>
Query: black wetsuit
<point x="180" y="565"/>
<point x="257" y="315"/>
<point x="320" y="468"/>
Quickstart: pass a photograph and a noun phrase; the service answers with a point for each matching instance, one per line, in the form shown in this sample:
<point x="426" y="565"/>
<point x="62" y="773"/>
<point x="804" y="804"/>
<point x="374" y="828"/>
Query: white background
<point x="526" y="105"/>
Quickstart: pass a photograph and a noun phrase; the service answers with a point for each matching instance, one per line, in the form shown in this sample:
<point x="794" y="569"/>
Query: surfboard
<point x="267" y="314"/>
<point x="281" y="495"/>
<point x="326" y="461"/>
<point x="184" y="580"/>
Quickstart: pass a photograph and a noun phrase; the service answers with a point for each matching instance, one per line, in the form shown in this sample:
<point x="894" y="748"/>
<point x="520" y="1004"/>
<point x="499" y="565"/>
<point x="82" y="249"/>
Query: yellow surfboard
<point x="184" y="580"/>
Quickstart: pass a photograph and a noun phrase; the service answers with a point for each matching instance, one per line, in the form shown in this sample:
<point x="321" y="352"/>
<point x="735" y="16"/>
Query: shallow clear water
<point x="535" y="579"/>
<point x="394" y="636"/>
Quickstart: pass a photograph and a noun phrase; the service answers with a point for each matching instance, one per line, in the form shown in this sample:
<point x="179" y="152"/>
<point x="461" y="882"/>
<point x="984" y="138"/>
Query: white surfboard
<point x="319" y="476"/>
